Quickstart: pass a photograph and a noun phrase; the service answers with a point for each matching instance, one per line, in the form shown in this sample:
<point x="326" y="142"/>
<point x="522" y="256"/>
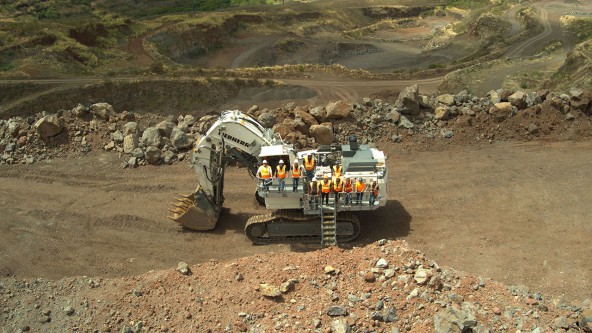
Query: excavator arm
<point x="234" y="137"/>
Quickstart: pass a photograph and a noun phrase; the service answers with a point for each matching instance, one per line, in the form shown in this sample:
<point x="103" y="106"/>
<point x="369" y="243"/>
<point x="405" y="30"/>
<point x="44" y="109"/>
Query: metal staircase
<point x="328" y="226"/>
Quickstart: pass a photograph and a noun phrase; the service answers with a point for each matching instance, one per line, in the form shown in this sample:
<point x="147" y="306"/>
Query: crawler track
<point x="257" y="226"/>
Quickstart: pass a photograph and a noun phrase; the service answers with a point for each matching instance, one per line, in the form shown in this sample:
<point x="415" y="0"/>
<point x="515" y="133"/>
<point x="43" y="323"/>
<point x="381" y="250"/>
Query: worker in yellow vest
<point x="281" y="176"/>
<point x="337" y="170"/>
<point x="374" y="188"/>
<point x="297" y="173"/>
<point x="313" y="193"/>
<point x="348" y="188"/>
<point x="309" y="164"/>
<point x="337" y="188"/>
<point x="265" y="175"/>
<point x="325" y="189"/>
<point x="360" y="187"/>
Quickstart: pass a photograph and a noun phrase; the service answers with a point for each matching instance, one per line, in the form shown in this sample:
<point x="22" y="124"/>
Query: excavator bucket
<point x="187" y="214"/>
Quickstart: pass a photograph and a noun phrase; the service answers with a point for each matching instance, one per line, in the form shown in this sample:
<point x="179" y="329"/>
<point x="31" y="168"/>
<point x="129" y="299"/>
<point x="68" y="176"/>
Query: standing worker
<point x="348" y="188"/>
<point x="281" y="176"/>
<point x="265" y="174"/>
<point x="325" y="189"/>
<point x="296" y="174"/>
<point x="360" y="187"/>
<point x="337" y="188"/>
<point x="313" y="193"/>
<point x="373" y="191"/>
<point x="309" y="165"/>
<point x="337" y="170"/>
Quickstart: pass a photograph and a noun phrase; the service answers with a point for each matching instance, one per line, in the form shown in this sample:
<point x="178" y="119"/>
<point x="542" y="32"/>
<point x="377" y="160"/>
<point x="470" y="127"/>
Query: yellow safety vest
<point x="337" y="170"/>
<point x="326" y="184"/>
<point x="265" y="171"/>
<point x="309" y="165"/>
<point x="338" y="185"/>
<point x="296" y="172"/>
<point x="359" y="186"/>
<point x="281" y="172"/>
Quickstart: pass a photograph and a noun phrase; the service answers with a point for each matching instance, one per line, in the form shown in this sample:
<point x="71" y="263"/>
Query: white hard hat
<point x="264" y="161"/>
<point x="374" y="179"/>
<point x="282" y="161"/>
<point x="314" y="179"/>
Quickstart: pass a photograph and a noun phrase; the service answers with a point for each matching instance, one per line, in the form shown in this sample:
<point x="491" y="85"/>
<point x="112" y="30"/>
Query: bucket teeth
<point x="181" y="206"/>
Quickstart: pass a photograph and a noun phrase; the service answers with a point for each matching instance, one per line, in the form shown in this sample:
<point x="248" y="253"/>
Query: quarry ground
<point x="516" y="212"/>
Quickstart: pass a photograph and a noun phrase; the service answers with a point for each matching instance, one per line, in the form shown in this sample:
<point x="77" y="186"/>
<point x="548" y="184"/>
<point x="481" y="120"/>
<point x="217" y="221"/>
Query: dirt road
<point x="516" y="212"/>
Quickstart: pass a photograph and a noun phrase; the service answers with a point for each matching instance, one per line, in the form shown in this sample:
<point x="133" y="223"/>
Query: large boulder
<point x="501" y="111"/>
<point x="319" y="113"/>
<point x="442" y="112"/>
<point x="80" y="111"/>
<point x="13" y="128"/>
<point x="518" y="99"/>
<point x="338" y="110"/>
<point x="179" y="139"/>
<point x="130" y="143"/>
<point x="282" y="129"/>
<point x="131" y="128"/>
<point x="151" y="137"/>
<point x="102" y="110"/>
<point x="306" y="117"/>
<point x="152" y="155"/>
<point x="49" y="126"/>
<point x="393" y="115"/>
<point x="166" y="128"/>
<point x="267" y="119"/>
<point x="323" y="133"/>
<point x="408" y="101"/>
<point x="117" y="136"/>
<point x="494" y="96"/>
<point x="446" y="99"/>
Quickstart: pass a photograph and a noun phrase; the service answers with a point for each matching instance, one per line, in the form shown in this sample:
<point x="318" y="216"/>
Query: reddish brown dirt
<point x="512" y="211"/>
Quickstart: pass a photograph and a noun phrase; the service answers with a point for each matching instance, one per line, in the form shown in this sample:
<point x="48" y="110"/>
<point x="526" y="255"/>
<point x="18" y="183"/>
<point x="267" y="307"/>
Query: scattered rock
<point x="269" y="290"/>
<point x="267" y="119"/>
<point x="501" y="111"/>
<point x="337" y="311"/>
<point x="49" y="126"/>
<point x="323" y="134"/>
<point x="340" y="326"/>
<point x="179" y="139"/>
<point x="183" y="268"/>
<point x="404" y="122"/>
<point x="338" y="110"/>
<point x="151" y="137"/>
<point x="446" y="99"/>
<point x="102" y="110"/>
<point x="152" y="155"/>
<point x="408" y="101"/>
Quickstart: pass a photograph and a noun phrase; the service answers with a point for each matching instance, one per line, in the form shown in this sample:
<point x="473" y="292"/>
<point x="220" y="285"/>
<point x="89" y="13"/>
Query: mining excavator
<point x="295" y="216"/>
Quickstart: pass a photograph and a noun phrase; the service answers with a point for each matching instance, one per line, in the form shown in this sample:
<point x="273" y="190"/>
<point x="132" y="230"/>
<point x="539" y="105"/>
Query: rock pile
<point x="412" y="119"/>
<point x="142" y="139"/>
<point x="328" y="290"/>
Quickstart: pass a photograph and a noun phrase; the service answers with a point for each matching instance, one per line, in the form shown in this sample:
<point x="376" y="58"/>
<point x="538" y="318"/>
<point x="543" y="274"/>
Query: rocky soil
<point x="422" y="121"/>
<point x="383" y="287"/>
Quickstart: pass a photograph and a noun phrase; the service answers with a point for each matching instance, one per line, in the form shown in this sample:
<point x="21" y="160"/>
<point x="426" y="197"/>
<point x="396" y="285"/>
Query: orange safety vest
<point x="296" y="172"/>
<point x="314" y="187"/>
<point x="309" y="165"/>
<point x="281" y="172"/>
<point x="265" y="171"/>
<point x="348" y="186"/>
<point x="374" y="187"/>
<point x="326" y="184"/>
<point x="338" y="185"/>
<point x="337" y="170"/>
<point x="359" y="186"/>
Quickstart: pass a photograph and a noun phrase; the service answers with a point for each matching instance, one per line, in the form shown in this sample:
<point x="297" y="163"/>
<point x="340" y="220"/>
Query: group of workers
<point x="336" y="184"/>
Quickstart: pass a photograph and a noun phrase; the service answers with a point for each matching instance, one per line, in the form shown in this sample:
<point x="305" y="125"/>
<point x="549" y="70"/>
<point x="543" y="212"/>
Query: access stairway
<point x="328" y="226"/>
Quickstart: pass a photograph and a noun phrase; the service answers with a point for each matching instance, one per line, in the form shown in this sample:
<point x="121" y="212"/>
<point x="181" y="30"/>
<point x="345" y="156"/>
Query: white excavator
<point x="296" y="216"/>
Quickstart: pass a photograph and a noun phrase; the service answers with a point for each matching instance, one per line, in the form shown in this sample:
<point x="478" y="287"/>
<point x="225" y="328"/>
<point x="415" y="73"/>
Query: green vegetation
<point x="581" y="28"/>
<point x="467" y="4"/>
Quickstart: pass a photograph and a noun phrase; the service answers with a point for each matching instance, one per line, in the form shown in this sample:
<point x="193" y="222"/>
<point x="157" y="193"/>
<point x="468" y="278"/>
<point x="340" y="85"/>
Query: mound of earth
<point x="383" y="287"/>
